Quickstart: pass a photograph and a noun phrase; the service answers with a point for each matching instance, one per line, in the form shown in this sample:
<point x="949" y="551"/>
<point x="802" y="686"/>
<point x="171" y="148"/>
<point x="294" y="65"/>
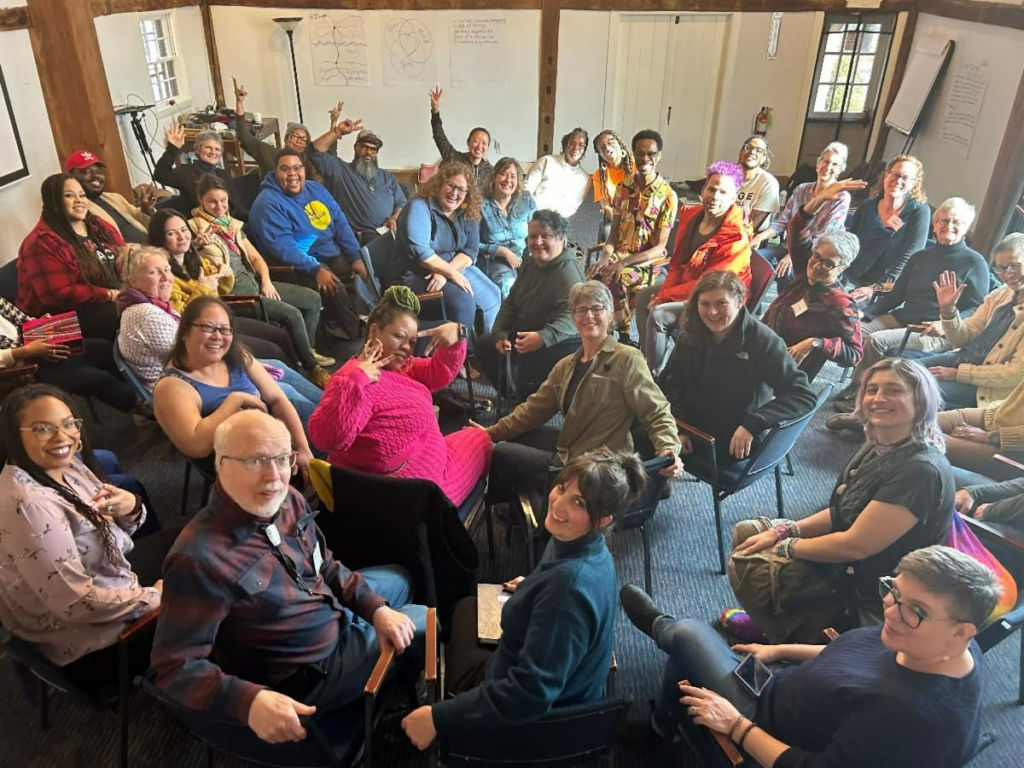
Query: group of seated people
<point x="260" y="624"/>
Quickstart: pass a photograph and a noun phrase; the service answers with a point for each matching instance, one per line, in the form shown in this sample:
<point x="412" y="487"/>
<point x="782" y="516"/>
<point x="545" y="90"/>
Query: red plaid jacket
<point x="49" y="279"/>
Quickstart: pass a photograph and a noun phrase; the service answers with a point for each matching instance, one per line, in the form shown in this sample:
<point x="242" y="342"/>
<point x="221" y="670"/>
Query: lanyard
<point x="274" y="537"/>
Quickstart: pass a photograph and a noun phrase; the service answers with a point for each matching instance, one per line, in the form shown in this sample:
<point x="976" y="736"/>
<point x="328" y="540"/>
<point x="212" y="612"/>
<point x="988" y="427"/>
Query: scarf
<point x="221" y="227"/>
<point x="132" y="296"/>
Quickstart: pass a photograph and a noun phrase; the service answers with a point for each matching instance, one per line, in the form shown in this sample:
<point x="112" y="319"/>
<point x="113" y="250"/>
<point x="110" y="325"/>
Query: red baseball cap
<point x="83" y="158"/>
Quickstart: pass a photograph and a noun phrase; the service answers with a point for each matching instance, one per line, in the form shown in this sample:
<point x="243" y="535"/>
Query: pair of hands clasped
<point x="372" y="359"/>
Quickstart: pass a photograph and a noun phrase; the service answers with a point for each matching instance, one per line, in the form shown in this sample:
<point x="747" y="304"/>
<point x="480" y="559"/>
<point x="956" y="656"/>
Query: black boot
<point x="639" y="608"/>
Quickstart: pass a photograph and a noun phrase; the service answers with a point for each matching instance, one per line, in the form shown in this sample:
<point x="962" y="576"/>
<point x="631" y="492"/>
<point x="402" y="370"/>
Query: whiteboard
<point x="926" y="63"/>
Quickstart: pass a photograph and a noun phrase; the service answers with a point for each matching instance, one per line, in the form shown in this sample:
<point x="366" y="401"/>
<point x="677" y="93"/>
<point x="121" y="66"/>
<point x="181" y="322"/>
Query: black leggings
<point x="92" y="374"/>
<point x="265" y="341"/>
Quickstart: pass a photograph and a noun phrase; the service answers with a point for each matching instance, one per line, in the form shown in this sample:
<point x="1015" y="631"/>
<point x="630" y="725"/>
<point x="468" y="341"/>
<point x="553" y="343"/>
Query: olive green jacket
<point x="616" y="391"/>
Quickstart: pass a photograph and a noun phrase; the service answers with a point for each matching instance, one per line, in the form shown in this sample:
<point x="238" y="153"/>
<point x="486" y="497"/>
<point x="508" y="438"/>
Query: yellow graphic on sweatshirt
<point x="318" y="214"/>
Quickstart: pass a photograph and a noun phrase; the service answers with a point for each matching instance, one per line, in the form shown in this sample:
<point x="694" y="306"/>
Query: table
<point x="490" y="600"/>
<point x="232" y="147"/>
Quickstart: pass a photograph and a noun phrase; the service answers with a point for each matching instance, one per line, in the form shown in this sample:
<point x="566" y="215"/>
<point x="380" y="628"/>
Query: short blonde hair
<point x="138" y="257"/>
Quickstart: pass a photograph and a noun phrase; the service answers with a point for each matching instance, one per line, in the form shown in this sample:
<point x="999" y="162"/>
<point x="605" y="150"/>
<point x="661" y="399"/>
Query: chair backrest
<point x="365" y="296"/>
<point x="531" y="370"/>
<point x="644" y="509"/>
<point x="9" y="280"/>
<point x="246" y="188"/>
<point x="566" y="736"/>
<point x="130" y="376"/>
<point x="377" y="256"/>
<point x="762" y="275"/>
<point x="1007" y="546"/>
<point x="778" y="441"/>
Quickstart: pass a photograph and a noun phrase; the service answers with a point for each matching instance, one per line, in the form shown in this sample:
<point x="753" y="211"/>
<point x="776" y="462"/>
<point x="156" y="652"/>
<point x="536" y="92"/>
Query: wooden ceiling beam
<point x="1000" y="15"/>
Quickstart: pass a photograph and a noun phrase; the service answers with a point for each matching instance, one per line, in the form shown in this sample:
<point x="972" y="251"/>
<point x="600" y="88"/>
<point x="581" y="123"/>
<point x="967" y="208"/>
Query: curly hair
<point x="499" y="168"/>
<point x="56" y="218"/>
<point x="574" y="132"/>
<point x="917" y="193"/>
<point x="432" y="189"/>
<point x="10" y="423"/>
<point x="728" y="169"/>
<point x="628" y="163"/>
<point x="397" y="301"/>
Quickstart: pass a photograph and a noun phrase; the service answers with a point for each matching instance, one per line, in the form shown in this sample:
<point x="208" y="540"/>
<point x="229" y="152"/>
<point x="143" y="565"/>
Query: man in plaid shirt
<point x="256" y="622"/>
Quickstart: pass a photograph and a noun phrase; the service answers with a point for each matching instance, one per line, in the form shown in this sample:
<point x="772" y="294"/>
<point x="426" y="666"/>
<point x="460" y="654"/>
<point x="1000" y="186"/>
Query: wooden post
<point x="212" y="55"/>
<point x="1004" y="187"/>
<point x="549" y="18"/>
<point x="67" y="54"/>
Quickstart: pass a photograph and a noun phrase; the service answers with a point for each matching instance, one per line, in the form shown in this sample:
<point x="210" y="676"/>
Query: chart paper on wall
<point x="963" y="105"/>
<point x="337" y="42"/>
<point x="479" y="53"/>
<point x="408" y="49"/>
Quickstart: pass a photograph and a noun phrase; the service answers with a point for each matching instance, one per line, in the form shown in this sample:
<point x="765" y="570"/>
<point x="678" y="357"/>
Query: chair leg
<point x="209" y="756"/>
<point x="44" y="705"/>
<point x="124" y="691"/>
<point x="489" y="522"/>
<point x="184" y="488"/>
<point x="718" y="534"/>
<point x="789" y="466"/>
<point x="1020" y="672"/>
<point x="647" y="561"/>
<point x="778" y="492"/>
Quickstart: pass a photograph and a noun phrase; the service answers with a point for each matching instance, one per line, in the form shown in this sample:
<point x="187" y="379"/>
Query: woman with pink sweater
<point x="377" y="415"/>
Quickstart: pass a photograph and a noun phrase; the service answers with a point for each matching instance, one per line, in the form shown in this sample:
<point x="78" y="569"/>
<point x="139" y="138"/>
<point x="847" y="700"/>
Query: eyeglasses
<point x="950" y="222"/>
<point x="299" y="138"/>
<point x="829" y="265"/>
<point x="900" y="177"/>
<point x="290" y="168"/>
<point x="44" y="431"/>
<point x="754" y="149"/>
<point x="1013" y="268"/>
<point x="456" y="188"/>
<point x="282" y="463"/>
<point x="909" y="615"/>
<point x="596" y="311"/>
<point x="210" y="329"/>
<point x="643" y="154"/>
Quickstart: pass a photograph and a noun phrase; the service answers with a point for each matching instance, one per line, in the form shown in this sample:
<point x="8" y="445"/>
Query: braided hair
<point x="56" y="218"/>
<point x="628" y="163"/>
<point x="10" y="415"/>
<point x="192" y="266"/>
<point x="398" y="300"/>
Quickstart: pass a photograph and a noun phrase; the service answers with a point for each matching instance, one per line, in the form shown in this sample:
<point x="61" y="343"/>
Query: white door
<point x="666" y="73"/>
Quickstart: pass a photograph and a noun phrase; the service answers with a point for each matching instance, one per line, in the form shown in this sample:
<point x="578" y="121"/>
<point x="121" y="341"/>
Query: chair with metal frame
<point x="523" y="374"/>
<point x="113" y="695"/>
<point x="762" y="275"/>
<point x="768" y="454"/>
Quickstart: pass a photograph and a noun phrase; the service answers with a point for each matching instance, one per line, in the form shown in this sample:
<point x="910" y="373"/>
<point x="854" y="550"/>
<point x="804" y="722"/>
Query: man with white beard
<point x="369" y="195"/>
<point x="259" y="623"/>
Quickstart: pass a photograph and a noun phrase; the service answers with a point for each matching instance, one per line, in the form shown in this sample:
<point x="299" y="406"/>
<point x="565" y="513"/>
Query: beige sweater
<point x="1003" y="368"/>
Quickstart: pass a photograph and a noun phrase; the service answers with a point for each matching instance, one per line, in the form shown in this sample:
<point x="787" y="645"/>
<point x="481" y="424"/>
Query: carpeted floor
<point x="685" y="584"/>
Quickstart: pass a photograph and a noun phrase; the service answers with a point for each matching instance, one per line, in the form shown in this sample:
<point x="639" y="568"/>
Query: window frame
<point x="880" y="55"/>
<point x="173" y="58"/>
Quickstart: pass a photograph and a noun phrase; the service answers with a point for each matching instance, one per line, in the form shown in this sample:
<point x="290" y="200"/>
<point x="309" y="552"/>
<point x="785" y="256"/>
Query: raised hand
<point x="947" y="292"/>
<point x="240" y="92"/>
<point x="441" y="337"/>
<point x="435" y="99"/>
<point x="175" y="135"/>
<point x="836" y="188"/>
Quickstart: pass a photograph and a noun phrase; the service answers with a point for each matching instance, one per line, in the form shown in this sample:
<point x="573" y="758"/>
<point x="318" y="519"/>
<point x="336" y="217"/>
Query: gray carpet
<point x="685" y="583"/>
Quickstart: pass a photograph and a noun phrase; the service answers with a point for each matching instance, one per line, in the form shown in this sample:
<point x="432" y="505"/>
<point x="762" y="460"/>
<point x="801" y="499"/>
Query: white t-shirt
<point x="759" y="193"/>
<point x="557" y="185"/>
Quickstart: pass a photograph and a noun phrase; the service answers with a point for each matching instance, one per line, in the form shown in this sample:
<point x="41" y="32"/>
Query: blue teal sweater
<point x="556" y="644"/>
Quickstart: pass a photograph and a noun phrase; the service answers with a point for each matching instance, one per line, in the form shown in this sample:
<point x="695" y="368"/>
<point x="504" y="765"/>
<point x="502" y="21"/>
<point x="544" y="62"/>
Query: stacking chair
<point x="762" y="275"/>
<point x="111" y="695"/>
<point x="523" y="374"/>
<point x="769" y="454"/>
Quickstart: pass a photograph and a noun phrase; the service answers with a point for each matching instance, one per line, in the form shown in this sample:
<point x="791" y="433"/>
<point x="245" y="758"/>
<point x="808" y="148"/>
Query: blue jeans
<point x="303" y="394"/>
<point x="461" y="306"/>
<point x="955" y="394"/>
<point x="357" y="650"/>
<point x="696" y="652"/>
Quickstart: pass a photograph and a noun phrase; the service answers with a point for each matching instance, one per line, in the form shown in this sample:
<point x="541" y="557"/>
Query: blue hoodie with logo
<point x="300" y="230"/>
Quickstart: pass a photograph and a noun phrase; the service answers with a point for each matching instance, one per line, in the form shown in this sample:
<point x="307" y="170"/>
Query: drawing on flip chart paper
<point x="408" y="51"/>
<point x="338" y="45"/>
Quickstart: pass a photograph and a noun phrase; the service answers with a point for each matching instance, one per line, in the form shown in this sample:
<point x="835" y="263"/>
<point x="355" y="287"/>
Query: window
<point x="161" y="56"/>
<point x="851" y="61"/>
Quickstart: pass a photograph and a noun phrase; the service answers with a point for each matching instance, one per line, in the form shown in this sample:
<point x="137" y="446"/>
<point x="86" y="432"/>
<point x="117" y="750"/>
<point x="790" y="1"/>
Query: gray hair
<point x="956" y="203"/>
<point x="972" y="589"/>
<point x="838" y="148"/>
<point x="138" y="257"/>
<point x="845" y="244"/>
<point x="1012" y="243"/>
<point x="591" y="291"/>
<point x="208" y="135"/>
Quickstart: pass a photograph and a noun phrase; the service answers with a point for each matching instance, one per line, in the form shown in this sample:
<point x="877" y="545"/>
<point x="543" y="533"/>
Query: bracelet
<point x="785" y="548"/>
<point x="781" y="531"/>
<point x="739" y="719"/>
<point x="746" y="732"/>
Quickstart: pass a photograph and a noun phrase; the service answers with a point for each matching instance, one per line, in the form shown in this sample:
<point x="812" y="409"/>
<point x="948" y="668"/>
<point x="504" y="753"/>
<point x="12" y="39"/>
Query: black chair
<point x="113" y="694"/>
<point x="130" y="376"/>
<point x="207" y="473"/>
<point x="769" y="454"/>
<point x="1007" y="545"/>
<point x="523" y="374"/>
<point x="9" y="281"/>
<point x="335" y="740"/>
<point x="378" y="520"/>
<point x="244" y="189"/>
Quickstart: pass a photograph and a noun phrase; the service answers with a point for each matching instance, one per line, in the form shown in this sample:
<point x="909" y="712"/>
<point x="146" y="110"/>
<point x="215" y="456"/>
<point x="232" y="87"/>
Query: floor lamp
<point x="288" y="25"/>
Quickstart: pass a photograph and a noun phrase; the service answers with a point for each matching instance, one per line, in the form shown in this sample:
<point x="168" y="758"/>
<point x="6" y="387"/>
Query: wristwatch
<point x="817" y="343"/>
<point x="463" y="333"/>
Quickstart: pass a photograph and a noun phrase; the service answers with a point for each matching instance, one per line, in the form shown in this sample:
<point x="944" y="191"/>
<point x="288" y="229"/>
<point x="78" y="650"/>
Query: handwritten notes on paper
<point x="337" y="42"/>
<point x="479" y="54"/>
<point x="963" y="107"/>
<point x="408" y="50"/>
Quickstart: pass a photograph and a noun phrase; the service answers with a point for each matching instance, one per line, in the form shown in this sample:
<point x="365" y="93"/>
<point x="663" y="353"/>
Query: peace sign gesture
<point x="947" y="292"/>
<point x="371" y="361"/>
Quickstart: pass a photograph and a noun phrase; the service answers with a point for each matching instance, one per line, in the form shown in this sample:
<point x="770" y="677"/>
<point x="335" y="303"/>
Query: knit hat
<point x="83" y="158"/>
<point x="292" y="127"/>
<point x="369" y="136"/>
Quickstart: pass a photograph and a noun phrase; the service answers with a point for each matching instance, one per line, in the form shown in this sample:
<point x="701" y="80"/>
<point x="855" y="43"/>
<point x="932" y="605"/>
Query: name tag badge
<point x="896" y="223"/>
<point x="799" y="308"/>
<point x="318" y="558"/>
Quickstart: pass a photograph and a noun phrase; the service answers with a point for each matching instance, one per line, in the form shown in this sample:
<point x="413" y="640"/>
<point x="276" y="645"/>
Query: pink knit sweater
<point x="389" y="427"/>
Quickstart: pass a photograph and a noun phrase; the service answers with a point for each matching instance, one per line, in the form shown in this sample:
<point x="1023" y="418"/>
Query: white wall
<point x="748" y="79"/>
<point x="125" y="62"/>
<point x="252" y="48"/>
<point x="946" y="173"/>
<point x="19" y="202"/>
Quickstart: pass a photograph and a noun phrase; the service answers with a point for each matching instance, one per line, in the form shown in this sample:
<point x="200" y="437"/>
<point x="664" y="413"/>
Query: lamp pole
<point x="288" y="24"/>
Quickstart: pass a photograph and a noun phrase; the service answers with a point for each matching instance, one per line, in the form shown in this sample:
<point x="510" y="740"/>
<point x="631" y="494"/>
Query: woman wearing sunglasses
<point x="907" y="692"/>
<point x="71" y="578"/>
